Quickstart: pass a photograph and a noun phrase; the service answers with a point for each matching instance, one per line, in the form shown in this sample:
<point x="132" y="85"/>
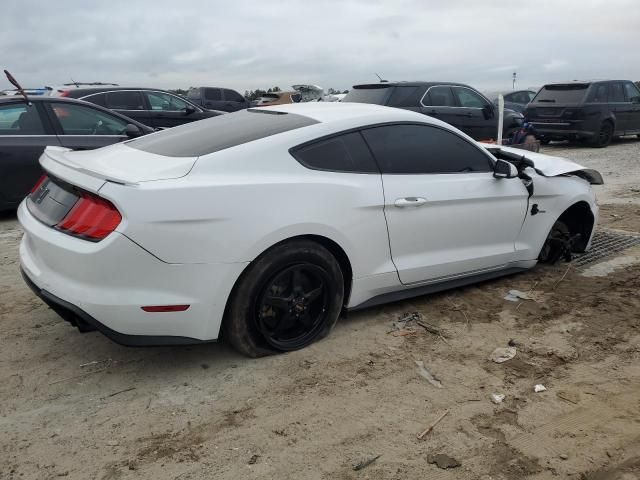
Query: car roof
<point x="409" y="84"/>
<point x="89" y="90"/>
<point x="330" y="112"/>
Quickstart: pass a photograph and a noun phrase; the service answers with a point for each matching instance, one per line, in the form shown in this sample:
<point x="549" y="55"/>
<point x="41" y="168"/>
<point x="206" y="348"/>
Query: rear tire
<point x="604" y="136"/>
<point x="288" y="298"/>
<point x="553" y="248"/>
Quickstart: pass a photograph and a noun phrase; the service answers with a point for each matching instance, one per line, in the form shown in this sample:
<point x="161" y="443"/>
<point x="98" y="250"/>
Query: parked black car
<point x="26" y="129"/>
<point x="455" y="103"/>
<point x="153" y="107"/>
<point x="215" y="98"/>
<point x="594" y="112"/>
<point x="518" y="100"/>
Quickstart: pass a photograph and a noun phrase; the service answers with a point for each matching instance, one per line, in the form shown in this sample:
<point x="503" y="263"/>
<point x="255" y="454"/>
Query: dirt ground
<point x="81" y="407"/>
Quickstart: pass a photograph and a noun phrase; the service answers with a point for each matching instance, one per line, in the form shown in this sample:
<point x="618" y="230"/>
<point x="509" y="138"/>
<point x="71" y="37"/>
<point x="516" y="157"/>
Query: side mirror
<point x="504" y="169"/>
<point x="188" y="110"/>
<point x="487" y="111"/>
<point x="132" y="131"/>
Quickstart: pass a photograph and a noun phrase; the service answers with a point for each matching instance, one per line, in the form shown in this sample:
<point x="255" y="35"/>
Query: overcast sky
<point x="257" y="44"/>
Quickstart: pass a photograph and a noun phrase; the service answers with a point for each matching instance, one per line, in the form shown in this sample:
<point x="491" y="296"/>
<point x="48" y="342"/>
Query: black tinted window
<point x="232" y="96"/>
<point x="562" y="93"/>
<point x="376" y="94"/>
<point x="633" y="94"/>
<point x="599" y="93"/>
<point x="98" y="99"/>
<point x="439" y="97"/>
<point x="82" y="120"/>
<point x="217" y="133"/>
<point x="468" y="98"/>
<point x="616" y="92"/>
<point x="344" y="153"/>
<point x="125" y="101"/>
<point x="423" y="149"/>
<point x="404" y="96"/>
<point x="213" y="94"/>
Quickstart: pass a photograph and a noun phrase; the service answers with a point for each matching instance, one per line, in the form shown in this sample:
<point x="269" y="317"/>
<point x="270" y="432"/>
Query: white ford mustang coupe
<point x="263" y="225"/>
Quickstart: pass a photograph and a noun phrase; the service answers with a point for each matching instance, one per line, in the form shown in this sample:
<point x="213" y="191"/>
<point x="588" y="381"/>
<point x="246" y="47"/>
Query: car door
<point x="446" y="213"/>
<point x="233" y="101"/>
<point x="475" y="114"/>
<point x="439" y="102"/>
<point x="24" y="134"/>
<point x="82" y="127"/>
<point x="620" y="106"/>
<point x="170" y="110"/>
<point x="633" y="97"/>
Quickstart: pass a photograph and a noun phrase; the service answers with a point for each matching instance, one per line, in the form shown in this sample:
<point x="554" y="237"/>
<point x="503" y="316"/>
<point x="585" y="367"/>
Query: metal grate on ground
<point x="605" y="244"/>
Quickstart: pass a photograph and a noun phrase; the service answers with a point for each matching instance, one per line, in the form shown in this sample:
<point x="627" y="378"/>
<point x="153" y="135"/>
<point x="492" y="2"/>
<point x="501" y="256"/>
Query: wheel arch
<point x="580" y="219"/>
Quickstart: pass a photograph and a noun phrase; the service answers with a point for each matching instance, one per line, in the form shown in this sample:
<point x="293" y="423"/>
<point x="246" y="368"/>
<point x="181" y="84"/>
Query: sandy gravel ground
<point x="81" y="407"/>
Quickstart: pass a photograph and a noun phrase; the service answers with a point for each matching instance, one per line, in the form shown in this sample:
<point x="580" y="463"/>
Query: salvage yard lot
<point x="80" y="406"/>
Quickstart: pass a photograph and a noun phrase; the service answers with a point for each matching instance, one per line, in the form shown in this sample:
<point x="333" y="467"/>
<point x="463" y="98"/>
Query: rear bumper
<point x="104" y="285"/>
<point x="561" y="130"/>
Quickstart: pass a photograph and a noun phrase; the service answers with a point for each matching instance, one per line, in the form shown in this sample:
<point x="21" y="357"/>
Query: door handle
<point x="410" y="202"/>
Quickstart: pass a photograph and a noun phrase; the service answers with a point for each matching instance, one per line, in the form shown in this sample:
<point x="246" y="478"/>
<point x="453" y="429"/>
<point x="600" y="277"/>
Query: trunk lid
<point x="116" y="163"/>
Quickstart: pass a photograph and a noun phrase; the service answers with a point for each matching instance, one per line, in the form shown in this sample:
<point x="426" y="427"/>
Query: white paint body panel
<point x="191" y="225"/>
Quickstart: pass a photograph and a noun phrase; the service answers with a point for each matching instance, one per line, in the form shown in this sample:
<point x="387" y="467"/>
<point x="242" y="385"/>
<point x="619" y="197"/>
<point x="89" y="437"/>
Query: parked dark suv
<point x="457" y="104"/>
<point x="593" y="112"/>
<point x="216" y="98"/>
<point x="153" y="107"/>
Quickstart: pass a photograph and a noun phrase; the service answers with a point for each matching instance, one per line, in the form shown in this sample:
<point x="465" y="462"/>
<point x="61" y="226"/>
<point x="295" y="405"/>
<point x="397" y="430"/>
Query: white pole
<point x="500" y="119"/>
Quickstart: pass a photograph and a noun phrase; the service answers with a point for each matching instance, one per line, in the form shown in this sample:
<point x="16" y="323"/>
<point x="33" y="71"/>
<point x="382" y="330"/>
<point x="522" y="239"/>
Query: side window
<point x="531" y="96"/>
<point x="81" y="120"/>
<point x="20" y="119"/>
<point x="416" y="149"/>
<point x="616" y="93"/>
<point x="344" y="153"/>
<point x="125" y="101"/>
<point x="193" y="94"/>
<point x="212" y="94"/>
<point x="98" y="99"/>
<point x="633" y="94"/>
<point x="599" y="93"/>
<point x="468" y="98"/>
<point x="165" y="102"/>
<point x="439" y="97"/>
<point x="231" y="96"/>
<point x="404" y="96"/>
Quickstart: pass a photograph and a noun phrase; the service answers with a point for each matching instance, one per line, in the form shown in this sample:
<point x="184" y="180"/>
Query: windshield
<point x="569" y="93"/>
<point x="376" y="94"/>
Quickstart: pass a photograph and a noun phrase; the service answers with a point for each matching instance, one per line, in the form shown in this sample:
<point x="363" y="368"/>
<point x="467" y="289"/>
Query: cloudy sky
<point x="256" y="44"/>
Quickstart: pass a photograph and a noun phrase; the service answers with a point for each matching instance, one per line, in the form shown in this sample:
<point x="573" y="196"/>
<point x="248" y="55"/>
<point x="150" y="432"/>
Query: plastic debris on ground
<point x="427" y="375"/>
<point x="539" y="388"/>
<point x="497" y="398"/>
<point x="502" y="354"/>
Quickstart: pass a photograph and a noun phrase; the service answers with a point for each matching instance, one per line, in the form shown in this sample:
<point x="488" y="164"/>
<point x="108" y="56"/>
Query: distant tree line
<point x="257" y="93"/>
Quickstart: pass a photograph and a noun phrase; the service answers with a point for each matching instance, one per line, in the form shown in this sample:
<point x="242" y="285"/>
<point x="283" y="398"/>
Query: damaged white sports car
<point x="265" y="224"/>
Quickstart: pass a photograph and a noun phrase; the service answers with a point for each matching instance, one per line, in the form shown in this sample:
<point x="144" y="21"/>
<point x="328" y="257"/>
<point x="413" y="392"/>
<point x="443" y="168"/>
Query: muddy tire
<point x="604" y="136"/>
<point x="288" y="298"/>
<point x="553" y="250"/>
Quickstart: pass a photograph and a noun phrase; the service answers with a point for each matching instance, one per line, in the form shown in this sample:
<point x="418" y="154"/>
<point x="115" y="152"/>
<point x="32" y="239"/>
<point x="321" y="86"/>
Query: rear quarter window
<point x="218" y="133"/>
<point x="342" y="153"/>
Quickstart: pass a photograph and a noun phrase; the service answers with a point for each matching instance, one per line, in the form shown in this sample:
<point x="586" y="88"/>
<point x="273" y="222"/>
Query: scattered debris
<point x="119" y="392"/>
<point x="429" y="328"/>
<point x="113" y="443"/>
<point x="403" y="333"/>
<point x="569" y="396"/>
<point x="365" y="463"/>
<point x="78" y="376"/>
<point x="517" y="295"/>
<point x="431" y="427"/>
<point x="564" y="456"/>
<point x="427" y="375"/>
<point x="539" y="388"/>
<point x="443" y="461"/>
<point x="562" y="278"/>
<point x="95" y="362"/>
<point x="253" y="459"/>
<point x="497" y="398"/>
<point x="502" y="354"/>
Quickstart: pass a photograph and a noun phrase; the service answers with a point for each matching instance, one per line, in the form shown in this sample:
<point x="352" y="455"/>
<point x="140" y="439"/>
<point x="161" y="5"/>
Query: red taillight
<point x="63" y="93"/>
<point x="165" y="308"/>
<point x="38" y="183"/>
<point x="91" y="217"/>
